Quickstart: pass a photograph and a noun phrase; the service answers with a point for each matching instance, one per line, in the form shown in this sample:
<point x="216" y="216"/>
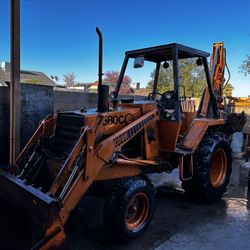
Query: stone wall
<point x="65" y="100"/>
<point x="38" y="101"/>
<point x="4" y="124"/>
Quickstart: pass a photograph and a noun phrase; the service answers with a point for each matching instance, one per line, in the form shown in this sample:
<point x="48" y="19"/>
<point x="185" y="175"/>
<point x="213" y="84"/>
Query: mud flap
<point x="42" y="227"/>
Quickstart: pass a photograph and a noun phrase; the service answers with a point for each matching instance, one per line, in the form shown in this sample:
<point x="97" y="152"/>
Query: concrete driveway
<point x="178" y="224"/>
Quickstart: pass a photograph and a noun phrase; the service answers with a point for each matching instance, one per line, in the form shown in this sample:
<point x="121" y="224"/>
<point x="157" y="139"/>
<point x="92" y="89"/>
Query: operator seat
<point x="167" y="105"/>
<point x="168" y="100"/>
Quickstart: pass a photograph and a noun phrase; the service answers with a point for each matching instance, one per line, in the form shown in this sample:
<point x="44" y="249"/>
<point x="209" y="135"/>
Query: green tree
<point x="228" y="90"/>
<point x="165" y="79"/>
<point x="191" y="77"/>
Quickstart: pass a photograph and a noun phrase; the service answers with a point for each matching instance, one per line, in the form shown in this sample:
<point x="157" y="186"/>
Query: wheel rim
<point x="218" y="168"/>
<point x="137" y="211"/>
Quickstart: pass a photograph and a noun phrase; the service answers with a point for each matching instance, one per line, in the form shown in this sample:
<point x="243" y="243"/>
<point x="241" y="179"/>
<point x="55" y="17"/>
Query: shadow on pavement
<point x="173" y="212"/>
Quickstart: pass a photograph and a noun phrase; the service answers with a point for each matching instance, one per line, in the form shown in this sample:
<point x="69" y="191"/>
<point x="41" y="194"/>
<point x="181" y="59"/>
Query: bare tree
<point x="69" y="79"/>
<point x="245" y="67"/>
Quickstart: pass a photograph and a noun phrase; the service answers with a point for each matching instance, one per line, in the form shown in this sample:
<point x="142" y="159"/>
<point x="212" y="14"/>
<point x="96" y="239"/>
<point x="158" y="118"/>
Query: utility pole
<point x="14" y="142"/>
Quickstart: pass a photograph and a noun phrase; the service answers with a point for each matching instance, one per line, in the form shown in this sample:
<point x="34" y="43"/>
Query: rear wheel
<point x="218" y="168"/>
<point x="212" y="168"/>
<point x="129" y="208"/>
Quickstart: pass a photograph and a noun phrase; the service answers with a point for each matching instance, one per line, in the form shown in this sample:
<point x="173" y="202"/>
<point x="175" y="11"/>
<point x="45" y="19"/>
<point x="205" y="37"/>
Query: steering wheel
<point x="163" y="103"/>
<point x="151" y="96"/>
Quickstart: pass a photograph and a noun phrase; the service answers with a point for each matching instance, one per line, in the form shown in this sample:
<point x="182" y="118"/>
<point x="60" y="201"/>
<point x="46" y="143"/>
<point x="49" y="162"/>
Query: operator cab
<point x="170" y="98"/>
<point x="175" y="111"/>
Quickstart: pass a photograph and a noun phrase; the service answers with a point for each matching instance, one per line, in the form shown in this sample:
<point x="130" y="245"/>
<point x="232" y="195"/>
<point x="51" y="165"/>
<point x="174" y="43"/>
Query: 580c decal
<point x="119" y="119"/>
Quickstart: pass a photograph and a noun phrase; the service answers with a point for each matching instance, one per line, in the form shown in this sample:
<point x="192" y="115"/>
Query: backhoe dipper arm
<point x="217" y="68"/>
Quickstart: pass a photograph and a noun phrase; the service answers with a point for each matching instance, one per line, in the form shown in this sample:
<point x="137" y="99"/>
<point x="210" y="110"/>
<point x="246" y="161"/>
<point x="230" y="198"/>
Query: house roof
<point x="143" y="91"/>
<point x="27" y="76"/>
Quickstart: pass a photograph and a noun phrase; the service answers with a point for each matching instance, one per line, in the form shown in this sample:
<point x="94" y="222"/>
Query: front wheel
<point x="129" y="208"/>
<point x="212" y="168"/>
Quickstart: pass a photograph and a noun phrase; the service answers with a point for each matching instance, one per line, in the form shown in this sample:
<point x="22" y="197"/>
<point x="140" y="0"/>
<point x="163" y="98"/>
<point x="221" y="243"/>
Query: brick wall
<point x="239" y="109"/>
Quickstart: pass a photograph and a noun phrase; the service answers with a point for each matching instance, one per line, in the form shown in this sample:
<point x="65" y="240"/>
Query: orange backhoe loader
<point x="115" y="147"/>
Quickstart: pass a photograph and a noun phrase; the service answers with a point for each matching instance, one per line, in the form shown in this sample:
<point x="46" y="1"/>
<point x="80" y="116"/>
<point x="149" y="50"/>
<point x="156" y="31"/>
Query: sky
<point x="58" y="36"/>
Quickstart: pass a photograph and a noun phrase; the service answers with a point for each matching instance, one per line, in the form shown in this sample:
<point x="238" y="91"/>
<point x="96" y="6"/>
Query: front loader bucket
<point x="34" y="215"/>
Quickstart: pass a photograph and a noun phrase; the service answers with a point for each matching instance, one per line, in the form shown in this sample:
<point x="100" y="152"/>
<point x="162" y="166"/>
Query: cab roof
<point x="164" y="52"/>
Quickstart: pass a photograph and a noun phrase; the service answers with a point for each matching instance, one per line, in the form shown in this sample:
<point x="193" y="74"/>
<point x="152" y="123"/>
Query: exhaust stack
<point x="103" y="90"/>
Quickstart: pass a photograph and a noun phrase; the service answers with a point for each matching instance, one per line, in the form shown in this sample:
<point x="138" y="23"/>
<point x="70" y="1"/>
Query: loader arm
<point x="45" y="128"/>
<point x="49" y="209"/>
<point x="99" y="156"/>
